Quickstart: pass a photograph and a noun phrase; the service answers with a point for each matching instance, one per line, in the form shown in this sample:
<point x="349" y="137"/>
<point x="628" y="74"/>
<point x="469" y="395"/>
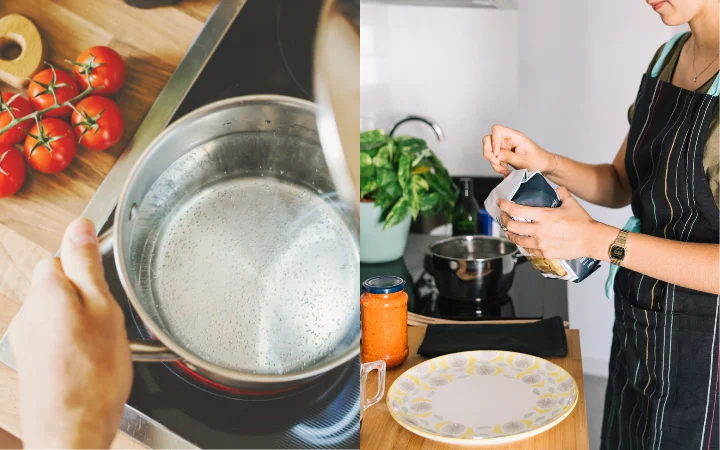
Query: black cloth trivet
<point x="544" y="338"/>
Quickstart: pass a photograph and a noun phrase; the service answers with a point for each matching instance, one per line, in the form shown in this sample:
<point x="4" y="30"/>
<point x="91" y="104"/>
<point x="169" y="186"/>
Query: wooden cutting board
<point x="152" y="42"/>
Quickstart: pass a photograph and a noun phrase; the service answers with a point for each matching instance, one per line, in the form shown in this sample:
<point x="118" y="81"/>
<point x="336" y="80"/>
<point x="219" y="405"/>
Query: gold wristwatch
<point x="617" y="249"/>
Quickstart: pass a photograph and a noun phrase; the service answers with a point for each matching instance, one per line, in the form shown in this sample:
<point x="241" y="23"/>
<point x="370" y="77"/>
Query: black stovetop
<point x="531" y="296"/>
<point x="267" y="50"/>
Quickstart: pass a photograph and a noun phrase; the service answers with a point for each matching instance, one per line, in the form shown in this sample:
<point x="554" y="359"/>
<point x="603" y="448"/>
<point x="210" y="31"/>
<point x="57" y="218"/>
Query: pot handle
<point x="519" y="258"/>
<point x="142" y="350"/>
<point x="151" y="351"/>
<point x="106" y="241"/>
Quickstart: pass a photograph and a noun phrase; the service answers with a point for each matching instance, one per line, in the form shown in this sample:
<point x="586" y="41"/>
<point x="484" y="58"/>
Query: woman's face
<point x="678" y="12"/>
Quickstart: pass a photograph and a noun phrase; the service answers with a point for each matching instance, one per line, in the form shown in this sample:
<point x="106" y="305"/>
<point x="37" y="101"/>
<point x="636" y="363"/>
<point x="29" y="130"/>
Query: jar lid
<point x="383" y="285"/>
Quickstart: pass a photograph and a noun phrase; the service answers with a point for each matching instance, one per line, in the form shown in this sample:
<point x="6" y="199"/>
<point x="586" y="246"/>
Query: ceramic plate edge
<point x="484" y="441"/>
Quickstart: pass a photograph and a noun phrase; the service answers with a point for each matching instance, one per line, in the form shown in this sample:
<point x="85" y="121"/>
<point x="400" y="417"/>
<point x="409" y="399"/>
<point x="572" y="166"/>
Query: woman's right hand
<point x="505" y="145"/>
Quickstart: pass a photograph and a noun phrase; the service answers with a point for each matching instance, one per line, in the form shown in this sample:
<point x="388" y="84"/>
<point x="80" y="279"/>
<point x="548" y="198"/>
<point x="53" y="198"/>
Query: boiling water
<point x="255" y="274"/>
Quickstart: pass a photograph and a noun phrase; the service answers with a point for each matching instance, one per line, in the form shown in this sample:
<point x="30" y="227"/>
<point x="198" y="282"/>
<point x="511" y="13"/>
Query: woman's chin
<point x="672" y="20"/>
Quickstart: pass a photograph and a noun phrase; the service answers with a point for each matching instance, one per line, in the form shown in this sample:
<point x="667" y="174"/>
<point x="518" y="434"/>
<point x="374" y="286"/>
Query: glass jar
<point x="383" y="311"/>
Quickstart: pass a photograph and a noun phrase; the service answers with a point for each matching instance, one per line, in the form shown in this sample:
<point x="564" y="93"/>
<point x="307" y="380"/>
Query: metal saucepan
<point x="234" y="250"/>
<point x="467" y="268"/>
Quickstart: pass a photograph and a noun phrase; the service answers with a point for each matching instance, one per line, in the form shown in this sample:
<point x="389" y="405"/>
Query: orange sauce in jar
<point x="383" y="311"/>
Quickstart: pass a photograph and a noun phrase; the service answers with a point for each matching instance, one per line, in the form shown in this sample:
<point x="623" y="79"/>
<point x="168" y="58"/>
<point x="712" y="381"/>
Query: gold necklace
<point x="706" y="67"/>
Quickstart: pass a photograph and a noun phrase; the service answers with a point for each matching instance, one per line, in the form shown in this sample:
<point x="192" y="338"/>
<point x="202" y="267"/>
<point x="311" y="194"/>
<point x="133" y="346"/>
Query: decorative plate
<point x="482" y="397"/>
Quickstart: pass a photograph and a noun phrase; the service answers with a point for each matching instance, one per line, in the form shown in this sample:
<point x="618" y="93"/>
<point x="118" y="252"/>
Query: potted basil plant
<point x="399" y="178"/>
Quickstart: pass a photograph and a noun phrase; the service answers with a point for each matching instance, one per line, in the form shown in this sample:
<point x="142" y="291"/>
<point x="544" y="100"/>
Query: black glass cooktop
<point x="531" y="296"/>
<point x="267" y="50"/>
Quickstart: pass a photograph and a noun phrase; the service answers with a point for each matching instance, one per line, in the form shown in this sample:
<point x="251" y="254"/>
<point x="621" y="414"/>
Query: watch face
<point x="617" y="253"/>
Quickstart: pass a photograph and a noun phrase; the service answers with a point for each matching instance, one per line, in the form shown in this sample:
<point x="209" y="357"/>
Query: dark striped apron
<point x="663" y="382"/>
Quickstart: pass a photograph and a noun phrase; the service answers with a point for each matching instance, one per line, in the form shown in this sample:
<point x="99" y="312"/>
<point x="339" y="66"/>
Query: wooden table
<point x="380" y="431"/>
<point x="152" y="42"/>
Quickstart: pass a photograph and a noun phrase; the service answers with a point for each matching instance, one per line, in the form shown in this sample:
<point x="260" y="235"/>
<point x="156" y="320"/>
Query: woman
<point x="663" y="382"/>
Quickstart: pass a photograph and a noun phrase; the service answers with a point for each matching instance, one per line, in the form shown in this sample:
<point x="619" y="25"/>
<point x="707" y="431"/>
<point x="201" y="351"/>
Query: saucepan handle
<point x="519" y="258"/>
<point x="142" y="350"/>
<point x="151" y="351"/>
<point x="106" y="242"/>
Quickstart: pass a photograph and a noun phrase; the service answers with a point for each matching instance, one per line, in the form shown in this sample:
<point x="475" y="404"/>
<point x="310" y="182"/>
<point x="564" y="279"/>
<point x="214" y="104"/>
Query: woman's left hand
<point x="565" y="232"/>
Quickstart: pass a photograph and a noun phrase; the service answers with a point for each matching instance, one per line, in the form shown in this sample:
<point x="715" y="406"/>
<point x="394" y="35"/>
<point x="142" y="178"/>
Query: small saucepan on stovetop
<point x="235" y="251"/>
<point x="468" y="268"/>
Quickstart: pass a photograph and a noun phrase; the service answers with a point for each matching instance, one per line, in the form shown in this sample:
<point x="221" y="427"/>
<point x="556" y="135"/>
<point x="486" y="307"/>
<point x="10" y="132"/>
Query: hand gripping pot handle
<point x="142" y="350"/>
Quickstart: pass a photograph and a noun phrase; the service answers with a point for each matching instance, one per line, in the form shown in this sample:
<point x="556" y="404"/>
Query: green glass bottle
<point x="465" y="215"/>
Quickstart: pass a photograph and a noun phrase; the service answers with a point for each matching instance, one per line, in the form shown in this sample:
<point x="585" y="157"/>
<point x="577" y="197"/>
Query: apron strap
<point x="665" y="52"/>
<point x="667" y="48"/>
<point x="715" y="86"/>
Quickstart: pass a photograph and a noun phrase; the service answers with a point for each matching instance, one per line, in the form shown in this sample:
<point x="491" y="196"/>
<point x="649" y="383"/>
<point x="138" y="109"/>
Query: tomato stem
<point x="36" y="114"/>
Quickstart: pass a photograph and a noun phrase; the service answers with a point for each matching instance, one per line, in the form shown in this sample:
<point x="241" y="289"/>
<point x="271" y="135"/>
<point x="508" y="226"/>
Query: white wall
<point x="562" y="71"/>
<point x="580" y="66"/>
<point x="457" y="66"/>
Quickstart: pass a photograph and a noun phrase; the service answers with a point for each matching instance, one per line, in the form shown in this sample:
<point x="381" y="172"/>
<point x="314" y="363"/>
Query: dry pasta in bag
<point x="532" y="189"/>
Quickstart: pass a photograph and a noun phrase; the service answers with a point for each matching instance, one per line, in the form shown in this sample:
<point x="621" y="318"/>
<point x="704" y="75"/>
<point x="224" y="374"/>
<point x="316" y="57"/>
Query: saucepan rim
<point x="123" y="209"/>
<point x="434" y="254"/>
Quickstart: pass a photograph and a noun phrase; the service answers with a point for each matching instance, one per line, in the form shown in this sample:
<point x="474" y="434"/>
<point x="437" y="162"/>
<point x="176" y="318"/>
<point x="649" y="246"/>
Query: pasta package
<point x="532" y="189"/>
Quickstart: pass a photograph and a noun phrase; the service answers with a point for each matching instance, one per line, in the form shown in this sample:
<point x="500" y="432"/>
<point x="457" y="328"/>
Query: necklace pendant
<point x="694" y="79"/>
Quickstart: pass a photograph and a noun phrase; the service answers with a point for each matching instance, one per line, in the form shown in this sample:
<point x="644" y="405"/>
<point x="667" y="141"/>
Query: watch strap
<point x="620" y="241"/>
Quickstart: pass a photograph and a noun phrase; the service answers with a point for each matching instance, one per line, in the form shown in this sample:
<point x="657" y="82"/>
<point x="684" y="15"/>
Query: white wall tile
<point x="456" y="66"/>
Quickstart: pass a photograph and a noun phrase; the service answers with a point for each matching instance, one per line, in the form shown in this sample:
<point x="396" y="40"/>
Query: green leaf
<point x="428" y="202"/>
<point x="398" y="213"/>
<point x="391" y="150"/>
<point x="367" y="187"/>
<point x="365" y="159"/>
<point x="386" y="197"/>
<point x="414" y="200"/>
<point x="410" y="144"/>
<point x="420" y="182"/>
<point x="367" y="172"/>
<point x="439" y="185"/>
<point x="418" y="187"/>
<point x="404" y="171"/>
<point x="385" y="177"/>
<point x="419" y="158"/>
<point x="372" y="139"/>
<point x="382" y="159"/>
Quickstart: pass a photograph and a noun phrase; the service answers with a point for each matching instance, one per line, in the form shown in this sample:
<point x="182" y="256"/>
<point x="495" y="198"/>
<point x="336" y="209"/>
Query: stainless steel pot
<point x="234" y="249"/>
<point x="468" y="268"/>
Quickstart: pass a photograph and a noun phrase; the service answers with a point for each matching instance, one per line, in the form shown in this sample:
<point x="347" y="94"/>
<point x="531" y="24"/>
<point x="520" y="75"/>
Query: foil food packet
<point x="532" y="189"/>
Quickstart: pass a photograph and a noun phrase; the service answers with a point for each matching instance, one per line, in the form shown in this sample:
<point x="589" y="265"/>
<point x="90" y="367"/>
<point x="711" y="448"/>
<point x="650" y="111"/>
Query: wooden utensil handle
<point x="19" y="30"/>
<point x="419" y="320"/>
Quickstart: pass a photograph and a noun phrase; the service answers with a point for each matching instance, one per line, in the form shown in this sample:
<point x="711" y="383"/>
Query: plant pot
<point x="378" y="245"/>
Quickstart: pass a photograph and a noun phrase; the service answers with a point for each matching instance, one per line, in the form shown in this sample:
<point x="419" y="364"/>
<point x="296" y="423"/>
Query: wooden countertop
<point x="380" y="431"/>
<point x="152" y="42"/>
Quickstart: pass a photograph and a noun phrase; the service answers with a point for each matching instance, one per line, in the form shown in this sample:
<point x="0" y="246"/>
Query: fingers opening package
<point x="532" y="189"/>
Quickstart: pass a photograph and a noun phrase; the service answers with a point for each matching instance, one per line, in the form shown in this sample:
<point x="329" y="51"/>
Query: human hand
<point x="505" y="145"/>
<point x="71" y="350"/>
<point x="565" y="232"/>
